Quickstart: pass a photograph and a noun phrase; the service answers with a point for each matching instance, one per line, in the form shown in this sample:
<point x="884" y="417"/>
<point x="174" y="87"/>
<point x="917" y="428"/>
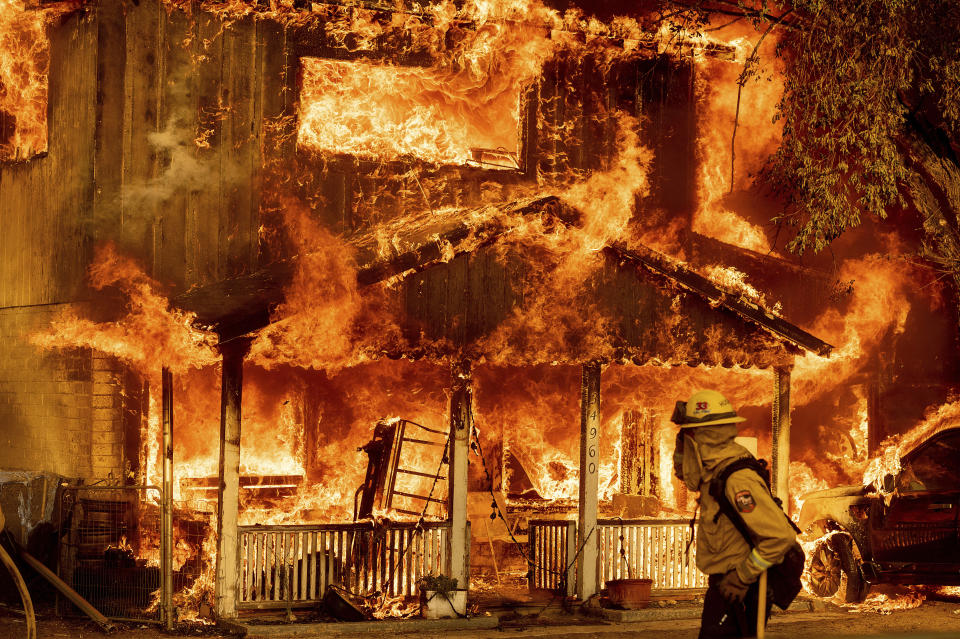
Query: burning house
<point x="307" y="295"/>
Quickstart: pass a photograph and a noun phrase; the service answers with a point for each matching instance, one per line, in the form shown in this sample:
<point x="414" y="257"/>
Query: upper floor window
<point x="24" y="60"/>
<point x="388" y="113"/>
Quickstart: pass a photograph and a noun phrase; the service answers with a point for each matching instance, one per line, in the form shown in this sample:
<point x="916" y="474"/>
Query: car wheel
<point x="833" y="571"/>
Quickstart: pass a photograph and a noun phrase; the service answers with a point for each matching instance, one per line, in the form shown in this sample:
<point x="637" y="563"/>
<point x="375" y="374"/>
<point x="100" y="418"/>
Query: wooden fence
<point x="628" y="549"/>
<point x="291" y="566"/>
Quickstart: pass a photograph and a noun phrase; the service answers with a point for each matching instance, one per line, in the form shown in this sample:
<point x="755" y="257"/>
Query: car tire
<point x="833" y="570"/>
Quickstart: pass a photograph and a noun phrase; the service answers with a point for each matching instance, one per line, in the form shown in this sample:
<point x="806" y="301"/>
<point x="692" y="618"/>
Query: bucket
<point x="630" y="594"/>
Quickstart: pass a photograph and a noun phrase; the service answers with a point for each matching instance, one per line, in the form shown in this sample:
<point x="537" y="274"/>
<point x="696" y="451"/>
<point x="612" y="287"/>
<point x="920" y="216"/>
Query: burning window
<point x="386" y="112"/>
<point x="24" y="58"/>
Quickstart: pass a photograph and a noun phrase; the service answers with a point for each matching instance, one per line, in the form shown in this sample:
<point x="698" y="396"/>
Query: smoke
<point x="191" y="157"/>
<point x="184" y="171"/>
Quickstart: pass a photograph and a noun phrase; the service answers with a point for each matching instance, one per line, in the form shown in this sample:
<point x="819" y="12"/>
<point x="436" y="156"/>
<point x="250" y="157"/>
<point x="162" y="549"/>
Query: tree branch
<point x="751" y="61"/>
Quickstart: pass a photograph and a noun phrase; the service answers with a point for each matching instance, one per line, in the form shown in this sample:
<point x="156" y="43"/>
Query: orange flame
<point x="24" y="62"/>
<point x="150" y="335"/>
<point x="756" y="136"/>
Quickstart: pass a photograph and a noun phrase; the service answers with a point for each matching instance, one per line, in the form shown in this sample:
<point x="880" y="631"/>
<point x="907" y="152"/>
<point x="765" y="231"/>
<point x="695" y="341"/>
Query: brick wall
<point x="107" y="436"/>
<point x="61" y="412"/>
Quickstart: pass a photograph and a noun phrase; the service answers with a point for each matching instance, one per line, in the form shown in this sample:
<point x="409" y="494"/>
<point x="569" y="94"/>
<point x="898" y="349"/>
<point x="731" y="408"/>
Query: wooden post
<point x="166" y="523"/>
<point x="780" y="479"/>
<point x="570" y="557"/>
<point x="639" y="453"/>
<point x="461" y="423"/>
<point x="228" y="494"/>
<point x="589" y="479"/>
<point x="631" y="468"/>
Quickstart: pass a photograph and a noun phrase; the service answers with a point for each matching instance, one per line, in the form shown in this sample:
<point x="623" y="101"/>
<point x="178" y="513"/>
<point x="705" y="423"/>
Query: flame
<point x="386" y="112"/>
<point x="323" y="322"/>
<point x="720" y="215"/>
<point x="736" y="281"/>
<point x="484" y="55"/>
<point x="315" y="379"/>
<point x="150" y="326"/>
<point x="885" y="604"/>
<point x="387" y="607"/>
<point x="24" y="62"/>
<point x="803" y="480"/>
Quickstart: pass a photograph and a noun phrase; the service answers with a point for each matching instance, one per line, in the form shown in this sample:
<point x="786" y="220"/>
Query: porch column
<point x="166" y="522"/>
<point x="461" y="423"/>
<point x="589" y="478"/>
<point x="228" y="492"/>
<point x="780" y="475"/>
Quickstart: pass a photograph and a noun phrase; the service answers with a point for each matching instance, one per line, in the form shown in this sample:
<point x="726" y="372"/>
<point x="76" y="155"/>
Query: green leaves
<point x="856" y="73"/>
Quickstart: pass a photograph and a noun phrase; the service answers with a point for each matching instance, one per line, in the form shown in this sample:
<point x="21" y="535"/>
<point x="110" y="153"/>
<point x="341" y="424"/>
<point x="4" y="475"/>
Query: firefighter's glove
<point x="732" y="588"/>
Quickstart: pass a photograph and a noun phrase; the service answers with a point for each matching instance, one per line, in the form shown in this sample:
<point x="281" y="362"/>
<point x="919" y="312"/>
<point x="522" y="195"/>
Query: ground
<point x="931" y="619"/>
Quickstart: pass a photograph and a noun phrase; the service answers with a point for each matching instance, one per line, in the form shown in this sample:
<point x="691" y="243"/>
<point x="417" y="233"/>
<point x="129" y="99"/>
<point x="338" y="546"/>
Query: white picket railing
<point x="554" y="546"/>
<point x="648" y="549"/>
<point x="291" y="566"/>
<point x="627" y="549"/>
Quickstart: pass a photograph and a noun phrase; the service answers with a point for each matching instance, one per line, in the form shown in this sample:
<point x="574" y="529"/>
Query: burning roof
<point x="644" y="291"/>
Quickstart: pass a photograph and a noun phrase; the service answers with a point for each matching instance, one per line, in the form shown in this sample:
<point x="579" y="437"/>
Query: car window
<point x="936" y="466"/>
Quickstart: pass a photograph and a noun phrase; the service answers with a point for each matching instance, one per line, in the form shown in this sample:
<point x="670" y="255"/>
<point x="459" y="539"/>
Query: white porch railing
<point x="291" y="566"/>
<point x="649" y="549"/>
<point x="554" y="546"/>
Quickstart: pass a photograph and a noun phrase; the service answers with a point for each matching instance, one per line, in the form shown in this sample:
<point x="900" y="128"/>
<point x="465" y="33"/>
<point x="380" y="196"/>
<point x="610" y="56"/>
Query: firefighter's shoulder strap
<point x="718" y="490"/>
<point x="784" y="577"/>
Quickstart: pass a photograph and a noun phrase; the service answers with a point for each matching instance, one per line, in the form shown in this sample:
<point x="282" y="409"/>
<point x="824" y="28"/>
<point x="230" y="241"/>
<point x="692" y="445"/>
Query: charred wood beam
<point x="706" y="289"/>
<point x="243" y="305"/>
<point x="464" y="238"/>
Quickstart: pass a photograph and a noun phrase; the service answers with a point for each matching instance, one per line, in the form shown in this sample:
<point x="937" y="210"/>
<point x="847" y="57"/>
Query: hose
<point x="24" y="593"/>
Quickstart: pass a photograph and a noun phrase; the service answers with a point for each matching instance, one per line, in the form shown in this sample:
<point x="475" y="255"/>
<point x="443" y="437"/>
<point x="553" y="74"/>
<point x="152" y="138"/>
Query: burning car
<point x="902" y="529"/>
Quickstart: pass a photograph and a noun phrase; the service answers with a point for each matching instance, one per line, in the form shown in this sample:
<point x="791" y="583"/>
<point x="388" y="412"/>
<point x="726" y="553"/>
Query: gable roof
<point x="415" y="243"/>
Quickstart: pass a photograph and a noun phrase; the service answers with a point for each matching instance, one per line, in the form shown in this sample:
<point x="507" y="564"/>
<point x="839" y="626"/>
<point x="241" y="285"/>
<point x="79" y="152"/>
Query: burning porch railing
<point x="640" y="548"/>
<point x="291" y="566"/>
<point x="554" y="547"/>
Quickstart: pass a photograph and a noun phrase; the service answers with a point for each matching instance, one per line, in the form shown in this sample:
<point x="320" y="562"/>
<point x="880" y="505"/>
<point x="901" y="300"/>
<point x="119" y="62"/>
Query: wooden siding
<point x="131" y="88"/>
<point x="198" y="90"/>
<point x="46" y="202"/>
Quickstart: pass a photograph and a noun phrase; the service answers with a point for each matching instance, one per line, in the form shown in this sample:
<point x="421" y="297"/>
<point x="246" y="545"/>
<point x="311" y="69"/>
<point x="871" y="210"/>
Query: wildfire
<point x="24" y="62"/>
<point x="885" y="604"/>
<point x="726" y="210"/>
<point x="315" y="380"/>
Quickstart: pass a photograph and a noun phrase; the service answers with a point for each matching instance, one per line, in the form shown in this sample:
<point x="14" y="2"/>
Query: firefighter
<point x="705" y="447"/>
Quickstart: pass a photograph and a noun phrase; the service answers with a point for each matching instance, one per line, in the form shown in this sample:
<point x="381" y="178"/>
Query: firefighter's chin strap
<point x="693" y="531"/>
